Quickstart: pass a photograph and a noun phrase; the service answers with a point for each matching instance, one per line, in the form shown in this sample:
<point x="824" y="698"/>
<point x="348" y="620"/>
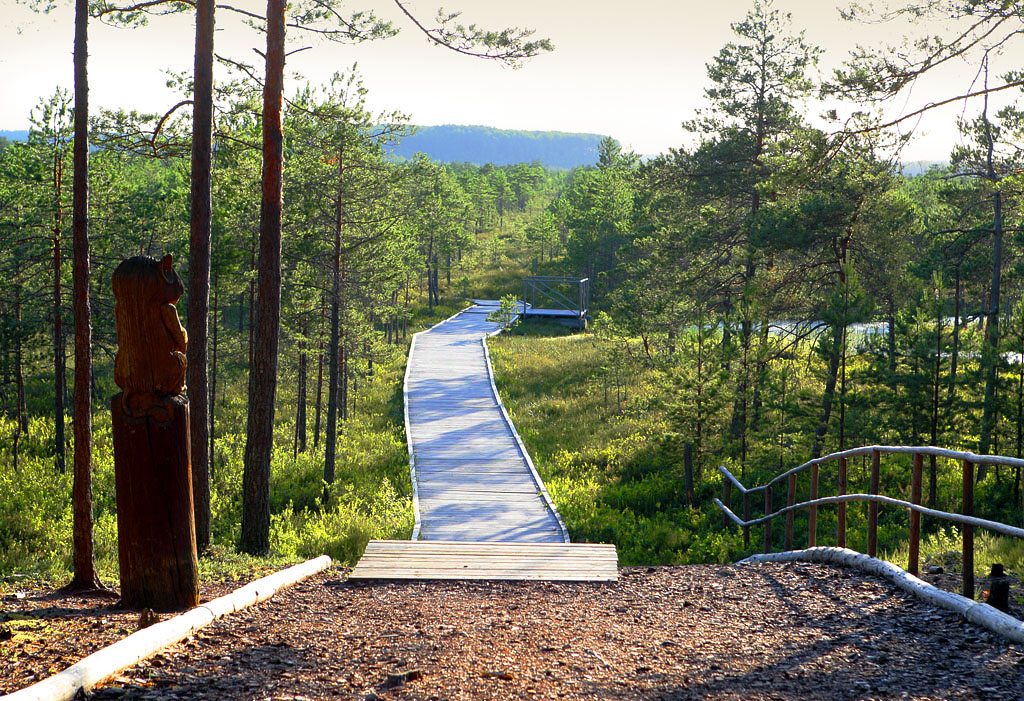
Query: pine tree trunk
<point x="252" y="301"/>
<point x="890" y="321"/>
<point x="936" y="382"/>
<point x="331" y="427"/>
<point x="954" y="353"/>
<point x="199" y="269"/>
<point x="20" y="420"/>
<point x="300" y="400"/>
<point x="213" y="375"/>
<point x="263" y="370"/>
<point x="333" y="362"/>
<point x="829" y="395"/>
<point x="59" y="359"/>
<point x="84" y="559"/>
<point x="991" y="357"/>
<point x="320" y="374"/>
<point x="343" y="379"/>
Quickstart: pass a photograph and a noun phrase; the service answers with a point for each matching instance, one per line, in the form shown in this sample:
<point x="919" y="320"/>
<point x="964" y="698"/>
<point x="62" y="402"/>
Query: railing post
<point x="790" y="500"/>
<point x="727" y="500"/>
<point x="812" y="524"/>
<point x="746" y="517"/>
<point x="841" y="525"/>
<point x="876" y="459"/>
<point x="968" y="531"/>
<point x="768" y="523"/>
<point x="915" y="516"/>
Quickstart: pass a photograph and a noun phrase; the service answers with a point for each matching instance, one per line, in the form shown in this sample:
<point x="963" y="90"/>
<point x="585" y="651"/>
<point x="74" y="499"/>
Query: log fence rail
<point x="965" y="518"/>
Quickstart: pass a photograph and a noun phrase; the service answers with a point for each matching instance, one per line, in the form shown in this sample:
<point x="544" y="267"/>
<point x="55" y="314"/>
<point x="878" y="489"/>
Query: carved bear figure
<point x="151" y="342"/>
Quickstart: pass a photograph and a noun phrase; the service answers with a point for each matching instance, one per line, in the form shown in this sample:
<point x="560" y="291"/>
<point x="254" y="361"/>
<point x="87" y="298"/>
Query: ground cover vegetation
<point x="771" y="293"/>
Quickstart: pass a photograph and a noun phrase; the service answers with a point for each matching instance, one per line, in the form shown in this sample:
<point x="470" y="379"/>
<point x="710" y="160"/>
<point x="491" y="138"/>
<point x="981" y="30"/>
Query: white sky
<point x="631" y="70"/>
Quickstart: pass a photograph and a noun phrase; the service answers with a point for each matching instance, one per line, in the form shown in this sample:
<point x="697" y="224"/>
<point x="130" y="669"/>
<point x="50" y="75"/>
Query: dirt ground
<point x="728" y="632"/>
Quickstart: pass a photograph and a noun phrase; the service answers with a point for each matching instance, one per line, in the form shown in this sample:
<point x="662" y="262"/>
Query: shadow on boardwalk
<point x="473" y="478"/>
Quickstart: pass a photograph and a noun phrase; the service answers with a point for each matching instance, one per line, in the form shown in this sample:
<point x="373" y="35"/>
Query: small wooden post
<point x="746" y="517"/>
<point x="790" y="500"/>
<point x="915" y="516"/>
<point x="812" y="525"/>
<point x="726" y="499"/>
<point x="841" y="525"/>
<point x="876" y="459"/>
<point x="968" y="531"/>
<point x="768" y="523"/>
<point x="152" y="471"/>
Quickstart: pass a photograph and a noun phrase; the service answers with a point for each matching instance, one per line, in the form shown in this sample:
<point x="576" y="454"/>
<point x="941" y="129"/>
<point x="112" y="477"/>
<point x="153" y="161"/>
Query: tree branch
<point x="506" y="46"/>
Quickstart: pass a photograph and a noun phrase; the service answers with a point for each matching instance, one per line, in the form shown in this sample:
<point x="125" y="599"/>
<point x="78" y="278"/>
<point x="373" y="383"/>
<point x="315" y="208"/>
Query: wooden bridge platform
<point x="406" y="559"/>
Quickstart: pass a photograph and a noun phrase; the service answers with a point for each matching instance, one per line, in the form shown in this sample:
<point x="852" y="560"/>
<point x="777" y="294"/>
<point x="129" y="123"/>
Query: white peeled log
<point x="976" y="612"/>
<point x="144" y="643"/>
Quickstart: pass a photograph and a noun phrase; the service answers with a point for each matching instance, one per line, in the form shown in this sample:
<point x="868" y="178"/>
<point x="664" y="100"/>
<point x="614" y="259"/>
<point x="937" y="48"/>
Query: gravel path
<point x="752" y="632"/>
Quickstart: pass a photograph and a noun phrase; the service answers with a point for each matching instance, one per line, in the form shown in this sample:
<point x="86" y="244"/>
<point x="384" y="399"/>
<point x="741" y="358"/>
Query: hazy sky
<point x="633" y="70"/>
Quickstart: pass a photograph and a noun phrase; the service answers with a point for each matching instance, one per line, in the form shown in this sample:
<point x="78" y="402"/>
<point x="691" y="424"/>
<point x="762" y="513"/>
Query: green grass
<point x="945" y="547"/>
<point x="601" y="450"/>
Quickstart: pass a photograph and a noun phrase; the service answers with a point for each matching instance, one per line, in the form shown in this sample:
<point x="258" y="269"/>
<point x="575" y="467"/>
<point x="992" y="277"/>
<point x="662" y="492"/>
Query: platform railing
<point x="966" y="516"/>
<point x="548" y="288"/>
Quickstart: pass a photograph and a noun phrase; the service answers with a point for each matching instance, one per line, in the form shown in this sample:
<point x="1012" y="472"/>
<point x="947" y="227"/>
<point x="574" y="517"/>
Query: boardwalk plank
<point x="498" y="561"/>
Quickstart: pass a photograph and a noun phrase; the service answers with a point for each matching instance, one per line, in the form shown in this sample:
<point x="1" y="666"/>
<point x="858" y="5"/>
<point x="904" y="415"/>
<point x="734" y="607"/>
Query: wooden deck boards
<point x="390" y="559"/>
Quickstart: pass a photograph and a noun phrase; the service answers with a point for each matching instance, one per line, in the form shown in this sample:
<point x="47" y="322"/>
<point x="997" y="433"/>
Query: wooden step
<point x="426" y="559"/>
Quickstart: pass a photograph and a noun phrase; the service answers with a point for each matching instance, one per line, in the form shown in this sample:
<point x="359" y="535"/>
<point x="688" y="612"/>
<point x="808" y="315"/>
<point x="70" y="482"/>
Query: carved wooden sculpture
<point x="155" y="520"/>
<point x="151" y="342"/>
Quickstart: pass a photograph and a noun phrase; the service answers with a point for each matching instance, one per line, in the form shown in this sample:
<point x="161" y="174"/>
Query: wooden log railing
<point x="965" y="518"/>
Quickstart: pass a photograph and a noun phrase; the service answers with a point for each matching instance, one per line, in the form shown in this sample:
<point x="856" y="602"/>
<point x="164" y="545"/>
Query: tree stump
<point x="152" y="467"/>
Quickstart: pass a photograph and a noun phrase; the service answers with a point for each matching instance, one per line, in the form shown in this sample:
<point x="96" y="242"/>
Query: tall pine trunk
<point x="300" y="401"/>
<point x="84" y="557"/>
<point x="213" y="374"/>
<point x="59" y="359"/>
<point x="954" y="353"/>
<point x="991" y="355"/>
<point x="320" y="374"/>
<point x="199" y="270"/>
<point x="936" y="383"/>
<point x="259" y="443"/>
<point x="828" y="396"/>
<point x="20" y="418"/>
<point x="333" y="364"/>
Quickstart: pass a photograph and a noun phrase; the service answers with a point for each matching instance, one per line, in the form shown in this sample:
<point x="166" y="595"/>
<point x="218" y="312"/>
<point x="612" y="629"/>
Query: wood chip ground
<point x="794" y="631"/>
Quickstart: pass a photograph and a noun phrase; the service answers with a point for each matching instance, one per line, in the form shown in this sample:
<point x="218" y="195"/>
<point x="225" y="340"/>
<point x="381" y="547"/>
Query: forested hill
<point x="14" y="135"/>
<point x="480" y="145"/>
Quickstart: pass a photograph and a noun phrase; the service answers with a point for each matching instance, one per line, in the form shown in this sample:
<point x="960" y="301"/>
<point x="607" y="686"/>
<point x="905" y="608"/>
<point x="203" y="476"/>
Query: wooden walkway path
<point x="472" y="478"/>
<point x="482" y="511"/>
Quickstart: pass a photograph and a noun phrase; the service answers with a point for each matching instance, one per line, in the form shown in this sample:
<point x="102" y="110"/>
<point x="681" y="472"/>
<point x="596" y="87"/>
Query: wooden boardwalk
<point x="482" y="511"/>
<point x="472" y="478"/>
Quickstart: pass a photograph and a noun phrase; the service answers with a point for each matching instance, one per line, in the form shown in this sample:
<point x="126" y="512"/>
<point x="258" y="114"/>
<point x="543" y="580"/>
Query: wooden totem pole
<point x="152" y="467"/>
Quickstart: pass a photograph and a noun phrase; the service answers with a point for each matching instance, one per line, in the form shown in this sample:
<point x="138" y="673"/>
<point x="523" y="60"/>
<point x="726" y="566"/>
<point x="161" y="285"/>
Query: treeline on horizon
<point x="478" y="145"/>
